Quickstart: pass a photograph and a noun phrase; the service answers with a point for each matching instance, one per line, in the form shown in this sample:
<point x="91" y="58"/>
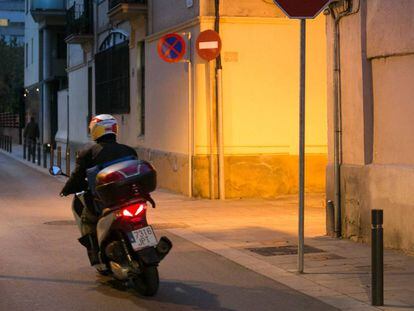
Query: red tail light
<point x="132" y="211"/>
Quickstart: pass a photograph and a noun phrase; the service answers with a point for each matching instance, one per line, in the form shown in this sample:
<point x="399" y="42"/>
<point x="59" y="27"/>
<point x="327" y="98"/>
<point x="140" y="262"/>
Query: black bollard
<point x="11" y="145"/>
<point x="1" y="141"/>
<point x="52" y="156"/>
<point x="39" y="155"/>
<point x="29" y="150"/>
<point x="68" y="160"/>
<point x="44" y="156"/>
<point x="330" y="219"/>
<point x="59" y="156"/>
<point x="24" y="149"/>
<point x="377" y="258"/>
<point x="34" y="151"/>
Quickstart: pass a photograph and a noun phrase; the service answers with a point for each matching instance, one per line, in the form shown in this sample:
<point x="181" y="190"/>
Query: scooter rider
<point x="103" y="129"/>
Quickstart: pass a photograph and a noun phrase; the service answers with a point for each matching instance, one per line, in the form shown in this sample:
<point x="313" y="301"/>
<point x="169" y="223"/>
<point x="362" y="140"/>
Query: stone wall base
<point x="386" y="187"/>
<point x="252" y="176"/>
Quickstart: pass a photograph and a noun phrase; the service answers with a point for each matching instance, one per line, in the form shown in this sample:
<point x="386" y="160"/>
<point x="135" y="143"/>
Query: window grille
<point x="112" y="79"/>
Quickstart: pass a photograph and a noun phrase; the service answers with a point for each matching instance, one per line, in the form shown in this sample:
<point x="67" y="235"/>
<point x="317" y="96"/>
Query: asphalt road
<point x="42" y="266"/>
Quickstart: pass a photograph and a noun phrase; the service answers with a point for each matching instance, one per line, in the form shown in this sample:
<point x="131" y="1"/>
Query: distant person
<point x="31" y="135"/>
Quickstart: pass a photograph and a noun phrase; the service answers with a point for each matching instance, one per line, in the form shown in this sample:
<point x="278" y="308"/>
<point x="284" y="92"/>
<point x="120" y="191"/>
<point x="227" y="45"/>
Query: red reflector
<point x="133" y="210"/>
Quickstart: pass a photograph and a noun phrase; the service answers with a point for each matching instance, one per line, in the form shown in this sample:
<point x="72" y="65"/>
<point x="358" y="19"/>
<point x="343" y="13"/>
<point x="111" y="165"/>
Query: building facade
<point x="12" y="21"/>
<point x="376" y="51"/>
<point x="169" y="112"/>
<point x="45" y="62"/>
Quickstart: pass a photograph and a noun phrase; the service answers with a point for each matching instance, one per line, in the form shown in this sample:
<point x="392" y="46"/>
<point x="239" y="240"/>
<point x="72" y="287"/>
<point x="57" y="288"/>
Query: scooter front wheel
<point x="147" y="282"/>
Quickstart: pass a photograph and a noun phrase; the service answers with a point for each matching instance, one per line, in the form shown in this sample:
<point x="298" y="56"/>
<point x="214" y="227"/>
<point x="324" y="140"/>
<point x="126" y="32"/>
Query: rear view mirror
<point x="55" y="170"/>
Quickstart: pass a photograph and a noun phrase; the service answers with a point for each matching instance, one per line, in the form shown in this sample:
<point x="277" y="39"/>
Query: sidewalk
<point x="261" y="236"/>
<point x="17" y="152"/>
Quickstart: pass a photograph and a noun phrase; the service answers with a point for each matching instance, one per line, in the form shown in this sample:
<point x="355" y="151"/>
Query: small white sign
<point x="190" y="3"/>
<point x="208" y="45"/>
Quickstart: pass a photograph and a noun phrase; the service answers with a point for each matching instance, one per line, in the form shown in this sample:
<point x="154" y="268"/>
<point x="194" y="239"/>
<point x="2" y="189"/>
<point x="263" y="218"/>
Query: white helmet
<point x="101" y="125"/>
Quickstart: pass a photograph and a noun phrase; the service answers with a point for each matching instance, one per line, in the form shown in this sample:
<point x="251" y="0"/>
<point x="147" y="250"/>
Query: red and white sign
<point x="302" y="8"/>
<point x="208" y="45"/>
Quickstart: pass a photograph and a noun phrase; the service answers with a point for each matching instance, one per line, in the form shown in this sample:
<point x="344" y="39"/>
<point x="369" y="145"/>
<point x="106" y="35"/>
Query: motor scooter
<point x="128" y="247"/>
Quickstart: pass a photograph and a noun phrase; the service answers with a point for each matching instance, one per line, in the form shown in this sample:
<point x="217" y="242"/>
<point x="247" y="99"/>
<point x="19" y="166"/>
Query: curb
<point x="289" y="279"/>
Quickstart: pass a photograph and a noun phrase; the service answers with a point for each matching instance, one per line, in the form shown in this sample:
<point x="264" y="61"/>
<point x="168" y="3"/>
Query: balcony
<point x="126" y="9"/>
<point x="79" y="20"/>
<point x="44" y="11"/>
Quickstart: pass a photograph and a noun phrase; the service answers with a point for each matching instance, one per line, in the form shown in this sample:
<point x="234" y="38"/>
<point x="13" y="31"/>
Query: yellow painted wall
<point x="261" y="99"/>
<point x="261" y="86"/>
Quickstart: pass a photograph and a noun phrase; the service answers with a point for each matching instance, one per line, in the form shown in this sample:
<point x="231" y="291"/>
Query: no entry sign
<point x="171" y="48"/>
<point x="301" y="8"/>
<point x="208" y="45"/>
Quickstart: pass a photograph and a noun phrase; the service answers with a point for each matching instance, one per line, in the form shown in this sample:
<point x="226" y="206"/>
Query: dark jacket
<point x="31" y="131"/>
<point x="105" y="150"/>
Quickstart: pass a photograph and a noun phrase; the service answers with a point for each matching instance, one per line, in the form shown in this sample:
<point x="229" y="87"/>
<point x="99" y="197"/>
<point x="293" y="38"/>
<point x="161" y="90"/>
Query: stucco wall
<point x="166" y="102"/>
<point x="376" y="72"/>
<point x="242" y="8"/>
<point x="61" y="135"/>
<point x="261" y="86"/>
<point x="393" y="110"/>
<point x="78" y="105"/>
<point x="31" y="71"/>
<point x="261" y="95"/>
<point x="168" y="13"/>
<point x="390" y="27"/>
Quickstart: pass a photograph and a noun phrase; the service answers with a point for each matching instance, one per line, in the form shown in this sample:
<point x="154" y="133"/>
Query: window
<point x="112" y="75"/>
<point x="61" y="46"/>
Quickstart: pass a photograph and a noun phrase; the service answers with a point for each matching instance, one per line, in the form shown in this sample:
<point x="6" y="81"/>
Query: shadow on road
<point x="174" y="294"/>
<point x="45" y="280"/>
<point x="177" y="295"/>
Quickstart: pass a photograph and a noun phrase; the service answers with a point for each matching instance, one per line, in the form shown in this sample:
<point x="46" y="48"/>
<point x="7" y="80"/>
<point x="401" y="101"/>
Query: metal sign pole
<point x="190" y="120"/>
<point x="301" y="236"/>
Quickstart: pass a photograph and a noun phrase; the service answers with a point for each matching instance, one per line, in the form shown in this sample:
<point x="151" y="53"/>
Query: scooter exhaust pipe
<point x="120" y="272"/>
<point x="163" y="247"/>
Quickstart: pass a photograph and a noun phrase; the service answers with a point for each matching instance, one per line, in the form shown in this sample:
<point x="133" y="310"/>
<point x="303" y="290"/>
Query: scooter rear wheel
<point x="147" y="282"/>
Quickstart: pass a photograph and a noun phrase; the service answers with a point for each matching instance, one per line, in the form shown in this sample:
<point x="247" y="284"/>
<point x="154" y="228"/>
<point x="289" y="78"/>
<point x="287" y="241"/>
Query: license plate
<point x="142" y="238"/>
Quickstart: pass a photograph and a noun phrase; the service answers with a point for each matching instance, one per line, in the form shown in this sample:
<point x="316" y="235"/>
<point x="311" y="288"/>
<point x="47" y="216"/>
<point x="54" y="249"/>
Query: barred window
<point x="112" y="77"/>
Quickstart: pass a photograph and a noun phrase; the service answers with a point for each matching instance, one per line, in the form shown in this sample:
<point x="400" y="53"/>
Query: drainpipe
<point x="219" y="109"/>
<point x="337" y="107"/>
<point x="190" y="121"/>
<point x="213" y="152"/>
